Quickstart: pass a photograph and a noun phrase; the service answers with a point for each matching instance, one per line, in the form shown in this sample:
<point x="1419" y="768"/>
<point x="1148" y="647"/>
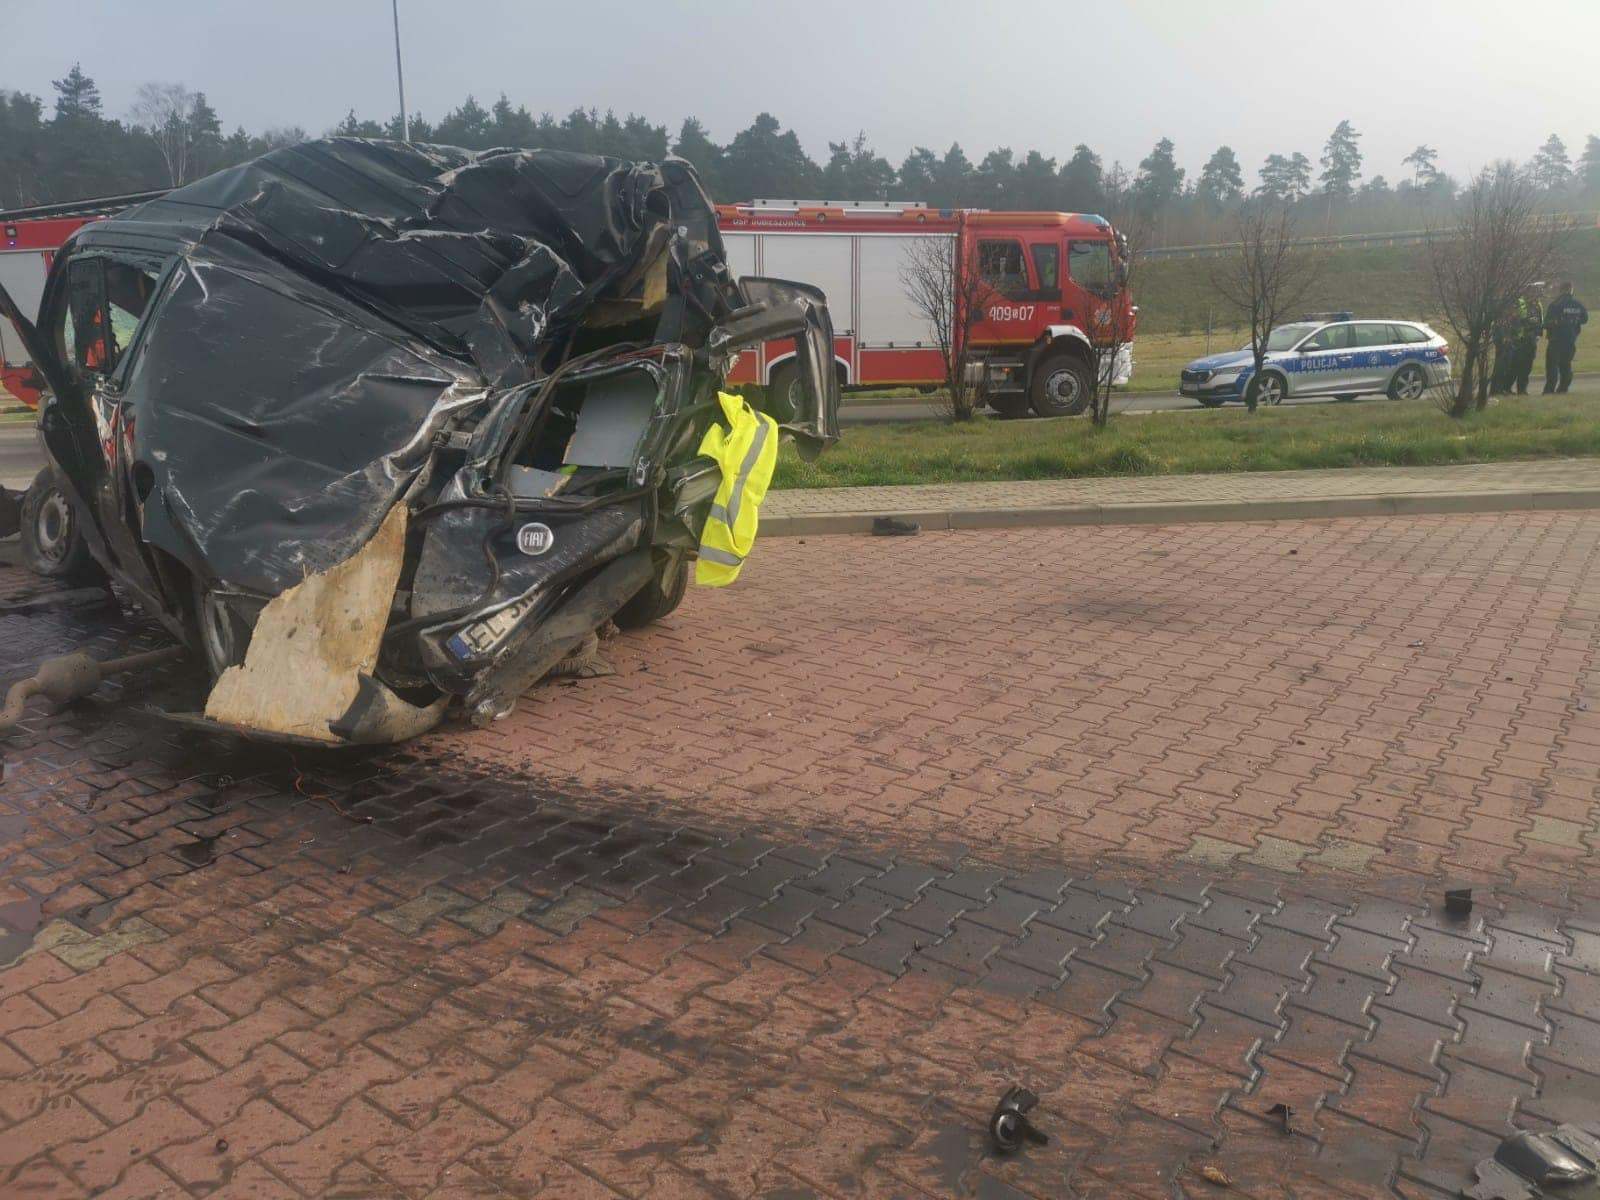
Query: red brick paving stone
<point x="98" y="1162"/>
<point x="214" y="1157"/>
<point x="316" y="1098"/>
<point x="418" y="1163"/>
<point x="42" y="1180"/>
<point x="312" y="1162"/>
<point x="46" y="1043"/>
<point x="252" y="1181"/>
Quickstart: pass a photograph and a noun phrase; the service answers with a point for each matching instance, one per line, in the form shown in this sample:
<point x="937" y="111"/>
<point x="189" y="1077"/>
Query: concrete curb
<point x="1185" y="512"/>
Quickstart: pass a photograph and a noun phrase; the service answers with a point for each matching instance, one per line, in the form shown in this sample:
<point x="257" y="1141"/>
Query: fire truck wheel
<point x="1009" y="408"/>
<point x="52" y="545"/>
<point x="783" y="392"/>
<point x="658" y="597"/>
<point x="1062" y="386"/>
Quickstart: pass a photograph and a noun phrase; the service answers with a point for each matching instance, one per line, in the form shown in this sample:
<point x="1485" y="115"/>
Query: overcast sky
<point x="1476" y="79"/>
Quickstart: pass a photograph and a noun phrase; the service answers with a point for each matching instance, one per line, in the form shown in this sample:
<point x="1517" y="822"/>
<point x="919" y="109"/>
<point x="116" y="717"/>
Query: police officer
<point x="1529" y="320"/>
<point x="1566" y="317"/>
<point x="1505" y="353"/>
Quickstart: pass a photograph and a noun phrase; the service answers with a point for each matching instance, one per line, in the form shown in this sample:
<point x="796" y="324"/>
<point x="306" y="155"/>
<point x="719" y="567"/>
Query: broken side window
<point x="128" y="292"/>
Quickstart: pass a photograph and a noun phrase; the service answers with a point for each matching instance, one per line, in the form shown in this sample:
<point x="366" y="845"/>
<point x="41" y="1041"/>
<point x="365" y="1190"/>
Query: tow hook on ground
<point x="1009" y="1127"/>
<point x="69" y="677"/>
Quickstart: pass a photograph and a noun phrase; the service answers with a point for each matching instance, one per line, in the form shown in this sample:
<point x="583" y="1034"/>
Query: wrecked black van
<point x="379" y="428"/>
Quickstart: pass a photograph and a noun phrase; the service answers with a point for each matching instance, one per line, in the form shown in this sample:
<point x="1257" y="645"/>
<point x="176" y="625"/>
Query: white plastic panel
<point x="741" y="249"/>
<point x="22" y="274"/>
<point x="888" y="317"/>
<point x="820" y="259"/>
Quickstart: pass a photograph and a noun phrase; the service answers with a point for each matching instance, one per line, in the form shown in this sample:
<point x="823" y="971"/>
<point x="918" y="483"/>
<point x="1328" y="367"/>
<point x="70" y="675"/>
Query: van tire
<point x="657" y="598"/>
<point x="1053" y="374"/>
<point x="52" y="544"/>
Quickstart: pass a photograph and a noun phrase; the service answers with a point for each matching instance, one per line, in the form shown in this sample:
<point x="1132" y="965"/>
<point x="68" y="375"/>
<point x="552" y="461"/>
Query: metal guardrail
<point x="1355" y="240"/>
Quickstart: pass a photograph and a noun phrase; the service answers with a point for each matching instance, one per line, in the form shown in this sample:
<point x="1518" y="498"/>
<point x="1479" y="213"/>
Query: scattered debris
<point x="1213" y="1174"/>
<point x="894" y="527"/>
<point x="1458" y="901"/>
<point x="1417" y="645"/>
<point x="1294" y="552"/>
<point x="222" y="1145"/>
<point x="1009" y="1127"/>
<point x="1564" y="1162"/>
<point x="1285" y="1116"/>
<point x="69" y="677"/>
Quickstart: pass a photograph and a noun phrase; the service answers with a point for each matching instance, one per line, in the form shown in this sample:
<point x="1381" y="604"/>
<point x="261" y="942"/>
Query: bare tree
<point x="1110" y="325"/>
<point x="1493" y="251"/>
<point x="1265" y="275"/>
<point x="950" y="295"/>
<point x="165" y="111"/>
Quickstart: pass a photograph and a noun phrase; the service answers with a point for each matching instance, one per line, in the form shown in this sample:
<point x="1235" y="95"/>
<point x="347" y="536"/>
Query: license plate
<point x="480" y="638"/>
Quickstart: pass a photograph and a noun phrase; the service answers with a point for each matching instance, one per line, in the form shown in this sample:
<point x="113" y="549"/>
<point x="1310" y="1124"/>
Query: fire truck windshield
<point x="1089" y="265"/>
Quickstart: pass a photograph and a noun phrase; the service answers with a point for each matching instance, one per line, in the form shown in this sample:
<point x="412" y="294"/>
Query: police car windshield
<point x="1285" y="336"/>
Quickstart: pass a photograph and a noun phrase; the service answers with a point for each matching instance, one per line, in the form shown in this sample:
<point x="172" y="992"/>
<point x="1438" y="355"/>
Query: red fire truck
<point x="1053" y="287"/>
<point x="29" y="239"/>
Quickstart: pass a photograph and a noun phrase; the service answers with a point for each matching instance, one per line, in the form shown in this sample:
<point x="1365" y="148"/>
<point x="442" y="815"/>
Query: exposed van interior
<point x="588" y="436"/>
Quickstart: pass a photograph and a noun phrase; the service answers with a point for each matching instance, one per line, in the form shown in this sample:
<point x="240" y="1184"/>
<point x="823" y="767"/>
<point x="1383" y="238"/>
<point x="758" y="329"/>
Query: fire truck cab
<point x="1050" y="290"/>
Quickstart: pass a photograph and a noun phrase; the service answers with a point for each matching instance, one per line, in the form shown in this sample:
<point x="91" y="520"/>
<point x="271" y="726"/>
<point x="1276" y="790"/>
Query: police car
<point x="1326" y="357"/>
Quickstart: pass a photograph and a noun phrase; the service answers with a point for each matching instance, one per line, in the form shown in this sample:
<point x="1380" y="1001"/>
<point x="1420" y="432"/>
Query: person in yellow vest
<point x="747" y="451"/>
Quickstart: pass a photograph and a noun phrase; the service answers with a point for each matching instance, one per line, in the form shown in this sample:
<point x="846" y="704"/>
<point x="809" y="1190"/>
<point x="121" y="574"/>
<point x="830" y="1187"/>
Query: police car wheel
<point x="1211" y="401"/>
<point x="658" y="597"/>
<point x="1269" y="388"/>
<point x="52" y="544"/>
<point x="1408" y="384"/>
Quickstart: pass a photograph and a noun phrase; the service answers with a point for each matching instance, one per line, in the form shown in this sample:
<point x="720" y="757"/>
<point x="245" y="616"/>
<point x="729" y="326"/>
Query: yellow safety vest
<point x="747" y="452"/>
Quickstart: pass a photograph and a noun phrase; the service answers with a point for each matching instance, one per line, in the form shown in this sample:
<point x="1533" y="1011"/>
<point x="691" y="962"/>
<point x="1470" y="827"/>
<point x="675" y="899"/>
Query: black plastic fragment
<point x="1284" y="1115"/>
<point x="1564" y="1162"/>
<point x="1458" y="902"/>
<point x="894" y="527"/>
<point x="1009" y="1126"/>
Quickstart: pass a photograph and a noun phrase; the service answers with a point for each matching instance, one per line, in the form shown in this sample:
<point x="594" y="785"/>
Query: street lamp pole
<point x="399" y="74"/>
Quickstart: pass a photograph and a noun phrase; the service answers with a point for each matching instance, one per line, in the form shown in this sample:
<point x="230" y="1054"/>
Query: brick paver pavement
<point x="1155" y="820"/>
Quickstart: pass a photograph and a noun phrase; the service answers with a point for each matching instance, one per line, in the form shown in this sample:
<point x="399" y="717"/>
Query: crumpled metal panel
<point x="333" y="303"/>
